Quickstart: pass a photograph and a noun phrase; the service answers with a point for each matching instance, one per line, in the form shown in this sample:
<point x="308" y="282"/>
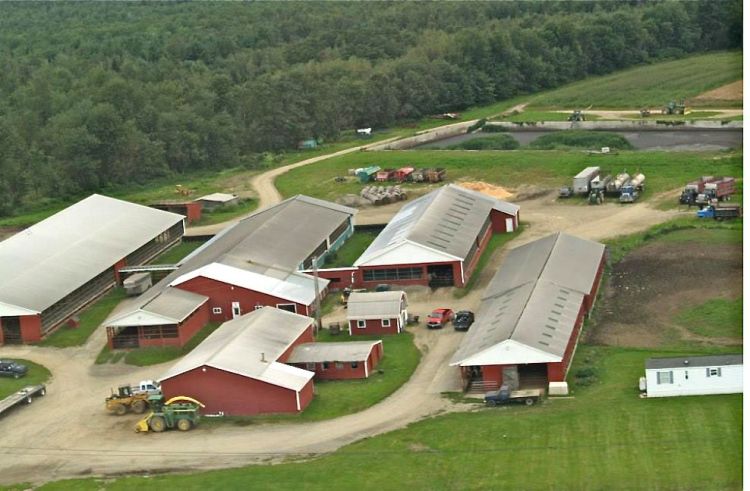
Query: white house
<point x="693" y="375"/>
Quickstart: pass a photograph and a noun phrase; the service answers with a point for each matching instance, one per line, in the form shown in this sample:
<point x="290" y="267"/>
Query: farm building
<point x="693" y="375"/>
<point x="217" y="200"/>
<point x="169" y="319"/>
<point x="53" y="269"/>
<point x="530" y="317"/>
<point x="191" y="210"/>
<point x="376" y="313"/>
<point x="256" y="262"/>
<point x="436" y="240"/>
<point x="338" y="361"/>
<point x="237" y="290"/>
<point x="240" y="369"/>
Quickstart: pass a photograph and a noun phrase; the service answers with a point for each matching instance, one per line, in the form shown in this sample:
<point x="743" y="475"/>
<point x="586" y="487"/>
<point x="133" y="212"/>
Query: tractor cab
<point x="124" y="391"/>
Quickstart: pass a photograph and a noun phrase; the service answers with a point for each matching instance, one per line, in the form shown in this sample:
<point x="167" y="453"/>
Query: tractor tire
<point x="120" y="409"/>
<point x="184" y="424"/>
<point x="529" y="401"/>
<point x="139" y="406"/>
<point x="492" y="403"/>
<point x="157" y="424"/>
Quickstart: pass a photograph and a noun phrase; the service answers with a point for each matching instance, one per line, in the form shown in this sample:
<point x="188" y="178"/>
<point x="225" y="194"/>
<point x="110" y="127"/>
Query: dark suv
<point x="463" y="320"/>
<point x="12" y="369"/>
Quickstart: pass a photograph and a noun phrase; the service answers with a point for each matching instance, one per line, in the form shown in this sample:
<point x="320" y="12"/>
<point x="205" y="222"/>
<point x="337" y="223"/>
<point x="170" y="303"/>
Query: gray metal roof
<point x="535" y="297"/>
<point x="587" y="172"/>
<point x="694" y="361"/>
<point x="374" y="305"/>
<point x="272" y="241"/>
<point x="47" y="261"/>
<point x="344" y="351"/>
<point x="218" y="197"/>
<point x="175" y="303"/>
<point x="250" y="345"/>
<point x="446" y="220"/>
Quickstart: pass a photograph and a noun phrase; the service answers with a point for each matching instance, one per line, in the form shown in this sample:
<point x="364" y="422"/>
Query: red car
<point x="439" y="318"/>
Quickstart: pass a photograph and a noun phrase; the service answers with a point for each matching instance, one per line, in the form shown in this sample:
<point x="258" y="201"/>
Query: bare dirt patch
<point x="729" y="92"/>
<point x="653" y="283"/>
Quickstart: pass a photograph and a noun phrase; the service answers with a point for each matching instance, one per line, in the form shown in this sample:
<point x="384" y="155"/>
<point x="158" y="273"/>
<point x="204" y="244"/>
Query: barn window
<point x="326" y="365"/>
<point x="385" y="323"/>
<point x="713" y="372"/>
<point x="361" y="324"/>
<point x="216" y="310"/>
<point x="339" y="365"/>
<point x="664" y="378"/>
<point x="355" y="364"/>
<point x="310" y="366"/>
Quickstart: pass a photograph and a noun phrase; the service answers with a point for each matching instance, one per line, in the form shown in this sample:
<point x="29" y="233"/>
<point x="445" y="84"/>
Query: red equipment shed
<point x="338" y="361"/>
<point x="376" y="313"/>
<point x="530" y="318"/>
<point x="240" y="368"/>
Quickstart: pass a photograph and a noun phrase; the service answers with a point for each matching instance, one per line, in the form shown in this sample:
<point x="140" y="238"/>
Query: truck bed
<point x="21" y="396"/>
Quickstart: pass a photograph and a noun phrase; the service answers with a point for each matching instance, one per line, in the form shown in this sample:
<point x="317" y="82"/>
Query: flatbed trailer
<point x="23" y="396"/>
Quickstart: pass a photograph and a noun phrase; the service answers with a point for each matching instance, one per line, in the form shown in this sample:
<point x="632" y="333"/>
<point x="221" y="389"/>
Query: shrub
<point x="585" y="139"/>
<point x="494" y="142"/>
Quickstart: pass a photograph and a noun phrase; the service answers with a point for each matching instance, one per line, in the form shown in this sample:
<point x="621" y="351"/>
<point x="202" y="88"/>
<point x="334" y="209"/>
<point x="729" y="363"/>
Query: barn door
<point x="236" y="312"/>
<point x="508" y="224"/>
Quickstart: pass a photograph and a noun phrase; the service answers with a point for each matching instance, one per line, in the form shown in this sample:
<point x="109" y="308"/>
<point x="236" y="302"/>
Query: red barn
<point x="530" y="318"/>
<point x="234" y="291"/>
<point x="376" y="313"/>
<point x="53" y="269"/>
<point x="338" y="361"/>
<point x="436" y="240"/>
<point x="240" y="368"/>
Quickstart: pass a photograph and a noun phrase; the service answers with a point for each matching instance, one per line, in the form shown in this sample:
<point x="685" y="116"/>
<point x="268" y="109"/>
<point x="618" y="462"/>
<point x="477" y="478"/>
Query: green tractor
<point x="577" y="115"/>
<point x="596" y="197"/>
<point x="179" y="412"/>
<point x="673" y="107"/>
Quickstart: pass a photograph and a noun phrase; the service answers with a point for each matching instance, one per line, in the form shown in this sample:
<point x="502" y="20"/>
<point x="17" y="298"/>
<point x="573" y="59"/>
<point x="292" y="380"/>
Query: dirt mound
<point x="488" y="189"/>
<point x="353" y="201"/>
<point x="530" y="191"/>
<point x="729" y="92"/>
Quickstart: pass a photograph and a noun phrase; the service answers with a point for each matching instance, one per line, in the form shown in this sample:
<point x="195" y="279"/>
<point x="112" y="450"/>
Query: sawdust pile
<point x="488" y="189"/>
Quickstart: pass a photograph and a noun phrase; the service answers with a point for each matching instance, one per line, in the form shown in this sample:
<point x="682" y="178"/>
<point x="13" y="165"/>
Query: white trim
<point x="236" y="310"/>
<point x="463" y="280"/>
<point x="8" y="310"/>
<point x="363" y="326"/>
<point x="512" y="228"/>
<point x="278" y="306"/>
<point x="367" y="374"/>
<point x="216" y="310"/>
<point x="435" y="255"/>
<point x="385" y="323"/>
<point x="299" y="406"/>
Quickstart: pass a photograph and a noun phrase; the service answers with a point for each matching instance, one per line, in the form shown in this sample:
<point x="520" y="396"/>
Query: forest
<point x="104" y="94"/>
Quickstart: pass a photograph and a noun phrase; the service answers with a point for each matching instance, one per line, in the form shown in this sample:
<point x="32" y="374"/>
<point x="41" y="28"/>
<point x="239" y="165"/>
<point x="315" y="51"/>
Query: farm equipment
<point x="505" y="396"/>
<point x="134" y="399"/>
<point x="435" y="175"/>
<point x="673" y="107"/>
<point x="716" y="190"/>
<point x="577" y="115"/>
<point x="724" y="212"/>
<point x="599" y="183"/>
<point x="179" y="412"/>
<point x="382" y="195"/>
<point x="182" y="190"/>
<point x="645" y="112"/>
<point x="692" y="189"/>
<point x="632" y="189"/>
<point x="385" y="175"/>
<point x="615" y="185"/>
<point x="346" y="292"/>
<point x="596" y="197"/>
<point x="367" y="174"/>
<point x="582" y="180"/>
<point x="404" y="174"/>
<point x="23" y="396"/>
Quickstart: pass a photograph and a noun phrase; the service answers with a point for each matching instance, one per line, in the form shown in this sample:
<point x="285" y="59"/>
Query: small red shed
<point x="240" y="368"/>
<point x="338" y="361"/>
<point x="376" y="313"/>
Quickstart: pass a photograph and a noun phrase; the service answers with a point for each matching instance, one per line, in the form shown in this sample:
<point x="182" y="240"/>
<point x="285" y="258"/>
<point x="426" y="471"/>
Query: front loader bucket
<point x="142" y="425"/>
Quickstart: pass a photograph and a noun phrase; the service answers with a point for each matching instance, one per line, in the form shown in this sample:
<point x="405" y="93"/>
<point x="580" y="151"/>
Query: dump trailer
<point x="719" y="189"/>
<point x="179" y="412"/>
<point x="692" y="189"/>
<point x="582" y="181"/>
<point x="724" y="212"/>
<point x="615" y="185"/>
<point x="506" y="396"/>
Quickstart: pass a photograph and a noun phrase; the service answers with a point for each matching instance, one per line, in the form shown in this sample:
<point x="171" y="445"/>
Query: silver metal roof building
<point x="250" y="345"/>
<point x="322" y="352"/>
<point x="694" y="361"/>
<point x="439" y="226"/>
<point x="171" y="306"/>
<point x="530" y="308"/>
<point x="375" y="305"/>
<point x="52" y="259"/>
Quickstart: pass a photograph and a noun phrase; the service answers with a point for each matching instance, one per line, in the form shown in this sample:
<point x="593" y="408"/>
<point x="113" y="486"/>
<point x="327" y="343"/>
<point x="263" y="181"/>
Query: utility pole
<point x="318" y="325"/>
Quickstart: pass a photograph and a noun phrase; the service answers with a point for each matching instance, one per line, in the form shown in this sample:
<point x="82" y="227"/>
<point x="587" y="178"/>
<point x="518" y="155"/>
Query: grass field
<point x="603" y="438"/>
<point x="37" y="374"/>
<point x="498" y="141"/>
<point x="89" y="320"/>
<point x="664" y="170"/>
<point x="178" y="252"/>
<point x="649" y="85"/>
<point x="580" y="139"/>
<point x="718" y="317"/>
<point x="351" y="250"/>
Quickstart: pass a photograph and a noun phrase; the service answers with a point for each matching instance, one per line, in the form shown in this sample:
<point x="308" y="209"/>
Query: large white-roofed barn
<point x="53" y="269"/>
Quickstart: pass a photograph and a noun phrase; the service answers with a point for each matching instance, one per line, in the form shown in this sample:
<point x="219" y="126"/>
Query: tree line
<point x="101" y="94"/>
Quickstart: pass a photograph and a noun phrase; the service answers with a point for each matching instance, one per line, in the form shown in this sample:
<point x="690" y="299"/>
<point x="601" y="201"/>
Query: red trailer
<point x="385" y="175"/>
<point x="720" y="189"/>
<point x="404" y="174"/>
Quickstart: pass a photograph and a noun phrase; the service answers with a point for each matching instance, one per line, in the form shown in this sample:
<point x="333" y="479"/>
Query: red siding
<point x="498" y="221"/>
<point x="492" y="375"/>
<point x="340" y="278"/>
<point x="193" y="211"/>
<point x="222" y="295"/>
<point x="194" y="323"/>
<point x="556" y="372"/>
<point x="346" y="372"/>
<point x="373" y="327"/>
<point x="119" y="264"/>
<point x="306" y="337"/>
<point x="591" y="297"/>
<point x="31" y="328"/>
<point x="235" y="394"/>
<point x="469" y="269"/>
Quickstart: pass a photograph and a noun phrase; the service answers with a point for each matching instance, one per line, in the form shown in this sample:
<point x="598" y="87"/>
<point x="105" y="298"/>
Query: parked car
<point x="12" y="369"/>
<point x="439" y="318"/>
<point x="463" y="320"/>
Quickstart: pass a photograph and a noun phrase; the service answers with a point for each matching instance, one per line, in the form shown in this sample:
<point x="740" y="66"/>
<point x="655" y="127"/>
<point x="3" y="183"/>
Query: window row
<point x="327" y="365"/>
<point x="668" y="377"/>
<point x="361" y="323"/>
<point x="392" y="274"/>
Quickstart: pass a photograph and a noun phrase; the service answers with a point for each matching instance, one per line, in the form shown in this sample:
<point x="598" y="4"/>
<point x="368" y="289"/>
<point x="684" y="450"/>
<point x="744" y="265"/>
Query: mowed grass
<point x="175" y="254"/>
<point x="37" y="374"/>
<point x="546" y="168"/>
<point x="89" y="320"/>
<point x="718" y="317"/>
<point x="649" y="85"/>
<point x="351" y="250"/>
<point x="603" y="438"/>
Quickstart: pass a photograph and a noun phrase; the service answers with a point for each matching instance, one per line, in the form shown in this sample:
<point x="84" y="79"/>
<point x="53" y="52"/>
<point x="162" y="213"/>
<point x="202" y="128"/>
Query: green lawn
<point x="580" y="139"/>
<point x="351" y="250"/>
<point x="178" y="252"/>
<point x="37" y="374"/>
<point x="90" y="319"/>
<point x="649" y="85"/>
<point x="545" y="168"/>
<point x="497" y="241"/>
<point x="718" y="317"/>
<point x="603" y="438"/>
